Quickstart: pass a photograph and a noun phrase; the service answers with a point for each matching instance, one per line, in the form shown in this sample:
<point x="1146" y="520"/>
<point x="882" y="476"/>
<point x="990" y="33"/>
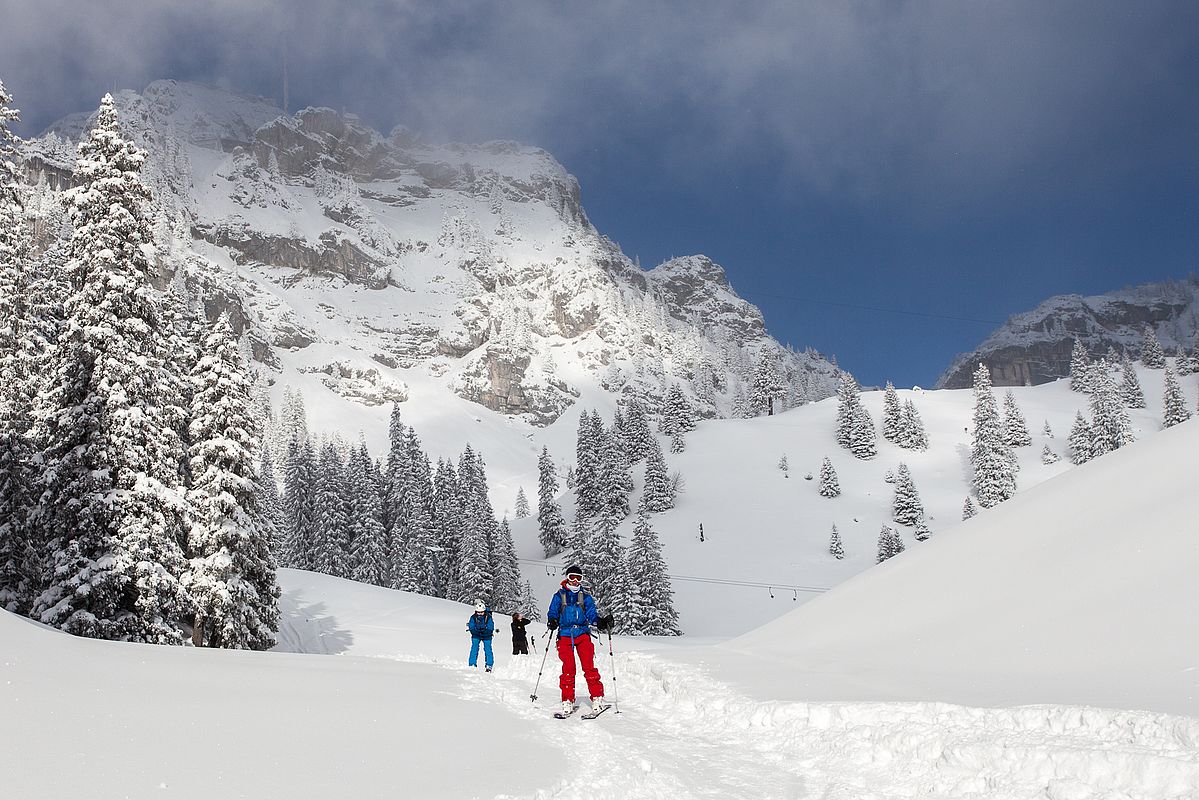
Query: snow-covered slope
<point x="766" y="532"/>
<point x="1080" y="590"/>
<point x="1040" y="600"/>
<point x="1034" y="347"/>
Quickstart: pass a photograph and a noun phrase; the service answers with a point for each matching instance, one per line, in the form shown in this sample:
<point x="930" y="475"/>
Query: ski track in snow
<point x="682" y="734"/>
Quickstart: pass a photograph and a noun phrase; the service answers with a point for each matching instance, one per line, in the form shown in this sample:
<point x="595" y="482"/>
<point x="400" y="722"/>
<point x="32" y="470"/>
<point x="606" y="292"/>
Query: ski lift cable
<point x="708" y="580"/>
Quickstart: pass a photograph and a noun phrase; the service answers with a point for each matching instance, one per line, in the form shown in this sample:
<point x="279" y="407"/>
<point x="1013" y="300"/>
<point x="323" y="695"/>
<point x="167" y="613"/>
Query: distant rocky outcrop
<point x="1034" y="347"/>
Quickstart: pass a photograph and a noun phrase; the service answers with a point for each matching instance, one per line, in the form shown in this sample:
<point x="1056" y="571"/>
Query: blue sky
<point x="885" y="180"/>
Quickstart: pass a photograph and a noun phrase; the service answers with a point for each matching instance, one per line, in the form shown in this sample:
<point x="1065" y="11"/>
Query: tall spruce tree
<point x="994" y="466"/>
<point x="508" y="591"/>
<point x="892" y="411"/>
<point x="450" y="520"/>
<point x="655" y="612"/>
<point x="270" y="502"/>
<point x="658" y="493"/>
<point x="17" y="554"/>
<point x="331" y="554"/>
<point x="1174" y="402"/>
<point x="1130" y="386"/>
<point x="551" y="527"/>
<point x="299" y="506"/>
<point x="231" y="575"/>
<point x="911" y="428"/>
<point x="370" y="560"/>
<point x="110" y="512"/>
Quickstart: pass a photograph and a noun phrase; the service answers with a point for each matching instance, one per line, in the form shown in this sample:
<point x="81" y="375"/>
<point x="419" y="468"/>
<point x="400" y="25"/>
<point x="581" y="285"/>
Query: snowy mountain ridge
<point x="1034" y="347"/>
<point x="395" y="268"/>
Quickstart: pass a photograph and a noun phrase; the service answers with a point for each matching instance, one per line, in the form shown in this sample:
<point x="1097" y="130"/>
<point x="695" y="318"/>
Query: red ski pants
<point x="567" y="647"/>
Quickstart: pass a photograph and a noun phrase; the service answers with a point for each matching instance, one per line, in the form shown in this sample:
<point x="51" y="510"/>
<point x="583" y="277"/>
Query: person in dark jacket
<point x="520" y="640"/>
<point x="481" y="628"/>
<point x="572" y="612"/>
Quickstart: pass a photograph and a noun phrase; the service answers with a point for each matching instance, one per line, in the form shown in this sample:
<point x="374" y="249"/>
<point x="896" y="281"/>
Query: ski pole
<point x="615" y="702"/>
<point x="533" y="696"/>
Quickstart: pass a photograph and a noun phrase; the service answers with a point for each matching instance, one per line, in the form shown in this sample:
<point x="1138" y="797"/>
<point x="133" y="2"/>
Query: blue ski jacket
<point x="481" y="626"/>
<point x="575" y="612"/>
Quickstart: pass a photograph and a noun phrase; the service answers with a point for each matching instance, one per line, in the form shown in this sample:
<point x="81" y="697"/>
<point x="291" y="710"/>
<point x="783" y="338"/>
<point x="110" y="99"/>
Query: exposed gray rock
<point x="1035" y="347"/>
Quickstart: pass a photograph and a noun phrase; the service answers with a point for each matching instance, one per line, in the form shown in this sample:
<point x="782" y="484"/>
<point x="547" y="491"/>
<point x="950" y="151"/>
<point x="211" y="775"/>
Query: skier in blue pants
<point x="481" y="628"/>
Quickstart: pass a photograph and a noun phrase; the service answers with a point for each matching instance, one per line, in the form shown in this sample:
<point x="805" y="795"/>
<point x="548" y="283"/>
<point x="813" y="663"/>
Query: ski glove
<point x="552" y="624"/>
<point x="605" y="623"/>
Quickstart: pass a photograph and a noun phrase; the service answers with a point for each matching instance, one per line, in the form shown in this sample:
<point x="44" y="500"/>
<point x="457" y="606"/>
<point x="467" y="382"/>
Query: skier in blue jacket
<point x="481" y="628"/>
<point x="572" y="612"/>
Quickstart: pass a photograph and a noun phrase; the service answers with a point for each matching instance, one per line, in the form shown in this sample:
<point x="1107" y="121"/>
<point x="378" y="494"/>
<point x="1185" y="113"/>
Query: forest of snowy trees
<point x="130" y="501"/>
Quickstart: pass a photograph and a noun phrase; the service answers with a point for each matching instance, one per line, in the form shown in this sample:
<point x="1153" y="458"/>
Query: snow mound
<point x="1080" y="590"/>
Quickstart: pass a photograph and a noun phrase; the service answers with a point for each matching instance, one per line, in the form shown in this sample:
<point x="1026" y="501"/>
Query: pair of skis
<point x="592" y="714"/>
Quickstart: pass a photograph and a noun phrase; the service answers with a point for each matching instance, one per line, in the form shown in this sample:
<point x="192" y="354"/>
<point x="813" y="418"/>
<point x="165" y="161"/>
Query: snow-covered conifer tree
<point x="637" y="431"/>
<point x="906" y="506"/>
<point x="1151" y="349"/>
<point x="1130" y="387"/>
<point x="1015" y="430"/>
<point x="1110" y="426"/>
<point x="522" y="503"/>
<point x="657" y="494"/>
<point x="739" y="404"/>
<point x="550" y="524"/>
<point x="783" y="466"/>
<point x="968" y="509"/>
<point x="331" y="554"/>
<point x="767" y="385"/>
<point x="231" y="575"/>
<point x="829" y="486"/>
<point x="889" y="544"/>
<point x="855" y="428"/>
<point x="507" y="593"/>
<point x="111" y="510"/>
<point x="1048" y="456"/>
<point x="646" y="570"/>
<point x="397" y="474"/>
<point x="449" y="520"/>
<point x="1080" y="368"/>
<point x="415" y="535"/>
<point x="17" y="555"/>
<point x="1080" y="440"/>
<point x="1174" y="402"/>
<point x="270" y="502"/>
<point x="892" y="425"/>
<point x="1047" y="431"/>
<point x="370" y="559"/>
<point x="994" y="466"/>
<point x="911" y="428"/>
<point x="922" y="531"/>
<point x="835" y="547"/>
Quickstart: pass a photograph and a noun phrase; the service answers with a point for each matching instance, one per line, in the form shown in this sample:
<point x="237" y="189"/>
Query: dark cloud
<point x="860" y="99"/>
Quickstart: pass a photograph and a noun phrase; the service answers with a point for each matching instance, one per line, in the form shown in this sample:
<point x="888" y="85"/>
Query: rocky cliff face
<point x="1034" y="347"/>
<point x="385" y="266"/>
